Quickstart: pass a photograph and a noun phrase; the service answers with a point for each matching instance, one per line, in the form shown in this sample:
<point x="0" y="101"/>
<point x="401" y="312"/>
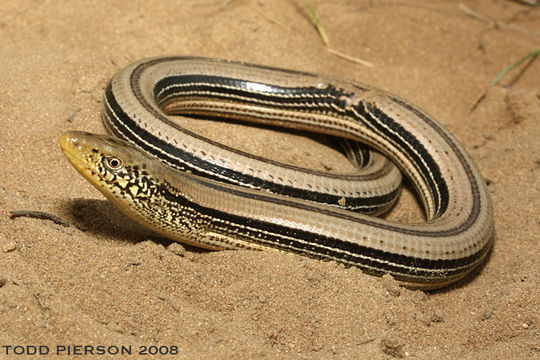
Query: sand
<point x="104" y="283"/>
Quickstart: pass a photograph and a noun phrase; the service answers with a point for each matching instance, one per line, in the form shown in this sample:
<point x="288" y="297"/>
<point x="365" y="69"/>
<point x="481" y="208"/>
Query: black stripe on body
<point x="475" y="191"/>
<point x="318" y="240"/>
<point x="319" y="246"/>
<point x="463" y="227"/>
<point x="458" y="229"/>
<point x="408" y="144"/>
<point x="322" y="100"/>
<point x="186" y="161"/>
<point x="338" y="214"/>
<point x="223" y="88"/>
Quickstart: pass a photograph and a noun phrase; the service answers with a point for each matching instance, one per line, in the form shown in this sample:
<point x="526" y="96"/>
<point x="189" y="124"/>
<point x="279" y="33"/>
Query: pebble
<point x="9" y="246"/>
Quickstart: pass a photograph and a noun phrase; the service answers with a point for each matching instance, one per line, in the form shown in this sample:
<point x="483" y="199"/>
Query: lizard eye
<point x="113" y="163"/>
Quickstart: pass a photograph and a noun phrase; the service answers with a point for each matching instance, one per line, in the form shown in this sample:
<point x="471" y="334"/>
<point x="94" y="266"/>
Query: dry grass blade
<point x="326" y="41"/>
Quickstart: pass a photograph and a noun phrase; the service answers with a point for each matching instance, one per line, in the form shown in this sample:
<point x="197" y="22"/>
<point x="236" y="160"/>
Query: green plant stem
<point x="517" y="63"/>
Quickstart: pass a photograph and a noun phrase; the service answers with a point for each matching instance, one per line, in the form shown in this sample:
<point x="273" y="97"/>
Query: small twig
<point x="494" y="23"/>
<point x="478" y="101"/>
<point x="73" y="114"/>
<point x="39" y="215"/>
<point x="476" y="15"/>
<point x="529" y="2"/>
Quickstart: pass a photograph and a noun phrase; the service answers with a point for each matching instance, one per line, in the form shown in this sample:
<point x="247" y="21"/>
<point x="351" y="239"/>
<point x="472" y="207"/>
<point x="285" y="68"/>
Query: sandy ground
<point x="104" y="282"/>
